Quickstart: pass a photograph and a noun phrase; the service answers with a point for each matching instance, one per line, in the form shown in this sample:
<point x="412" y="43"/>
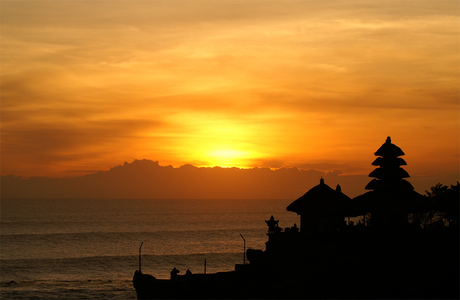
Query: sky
<point x="88" y="85"/>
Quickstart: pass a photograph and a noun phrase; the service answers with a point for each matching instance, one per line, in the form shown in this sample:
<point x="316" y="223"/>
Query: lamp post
<point x="140" y="258"/>
<point x="244" y="249"/>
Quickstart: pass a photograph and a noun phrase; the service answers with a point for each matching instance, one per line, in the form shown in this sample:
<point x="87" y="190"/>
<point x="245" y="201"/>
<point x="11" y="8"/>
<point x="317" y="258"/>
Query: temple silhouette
<point x="391" y="199"/>
<point x="385" y="252"/>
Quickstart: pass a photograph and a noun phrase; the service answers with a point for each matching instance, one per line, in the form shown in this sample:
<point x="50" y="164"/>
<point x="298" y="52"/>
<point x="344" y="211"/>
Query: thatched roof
<point x="404" y="201"/>
<point x="389" y="162"/>
<point x="321" y="200"/>
<point x="389" y="150"/>
<point x="399" y="185"/>
<point x="389" y="173"/>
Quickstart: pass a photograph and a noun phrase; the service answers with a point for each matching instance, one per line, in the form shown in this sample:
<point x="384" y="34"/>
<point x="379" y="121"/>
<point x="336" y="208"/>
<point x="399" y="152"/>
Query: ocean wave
<point x="184" y="230"/>
<point x="105" y="268"/>
<point x="68" y="289"/>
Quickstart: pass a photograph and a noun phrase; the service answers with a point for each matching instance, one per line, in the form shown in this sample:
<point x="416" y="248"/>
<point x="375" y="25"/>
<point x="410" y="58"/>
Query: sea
<point x="89" y="248"/>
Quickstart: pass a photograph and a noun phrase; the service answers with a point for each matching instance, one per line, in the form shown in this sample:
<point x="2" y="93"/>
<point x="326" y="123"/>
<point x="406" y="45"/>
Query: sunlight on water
<point x="65" y="243"/>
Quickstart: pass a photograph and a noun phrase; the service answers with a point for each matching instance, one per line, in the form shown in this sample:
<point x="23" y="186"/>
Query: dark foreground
<point x="359" y="264"/>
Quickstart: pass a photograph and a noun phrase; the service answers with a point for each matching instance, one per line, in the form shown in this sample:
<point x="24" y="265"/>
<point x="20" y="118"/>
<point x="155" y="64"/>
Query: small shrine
<point x="273" y="226"/>
<point x="321" y="209"/>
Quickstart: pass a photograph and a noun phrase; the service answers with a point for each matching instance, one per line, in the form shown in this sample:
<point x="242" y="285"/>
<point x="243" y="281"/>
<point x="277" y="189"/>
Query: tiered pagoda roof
<point x="390" y="193"/>
<point x="389" y="174"/>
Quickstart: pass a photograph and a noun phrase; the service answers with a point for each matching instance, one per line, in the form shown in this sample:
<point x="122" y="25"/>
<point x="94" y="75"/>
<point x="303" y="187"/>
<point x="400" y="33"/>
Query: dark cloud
<point x="54" y="142"/>
<point x="331" y="168"/>
<point x="147" y="179"/>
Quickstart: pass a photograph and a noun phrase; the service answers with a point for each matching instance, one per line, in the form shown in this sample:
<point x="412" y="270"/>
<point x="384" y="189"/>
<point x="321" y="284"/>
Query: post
<point x="140" y="259"/>
<point x="244" y="249"/>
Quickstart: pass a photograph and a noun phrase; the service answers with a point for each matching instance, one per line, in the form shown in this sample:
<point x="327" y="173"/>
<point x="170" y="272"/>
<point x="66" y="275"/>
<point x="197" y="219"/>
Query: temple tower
<point x="389" y="174"/>
<point x="392" y="197"/>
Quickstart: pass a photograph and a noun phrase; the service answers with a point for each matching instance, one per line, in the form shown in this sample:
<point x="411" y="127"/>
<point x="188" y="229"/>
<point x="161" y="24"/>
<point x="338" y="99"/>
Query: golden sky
<point x="87" y="85"/>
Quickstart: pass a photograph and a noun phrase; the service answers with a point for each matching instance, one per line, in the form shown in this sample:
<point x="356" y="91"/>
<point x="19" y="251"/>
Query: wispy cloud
<point x="291" y="83"/>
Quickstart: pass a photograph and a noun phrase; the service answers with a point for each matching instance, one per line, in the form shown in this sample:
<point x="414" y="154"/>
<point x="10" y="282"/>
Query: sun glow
<point x="227" y="157"/>
<point x="228" y="83"/>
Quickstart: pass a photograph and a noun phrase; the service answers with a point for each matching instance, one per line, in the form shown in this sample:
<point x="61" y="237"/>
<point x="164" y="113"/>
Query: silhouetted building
<point x="392" y="197"/>
<point x="321" y="209"/>
<point x="389" y="174"/>
<point x="323" y="261"/>
<point x="273" y="226"/>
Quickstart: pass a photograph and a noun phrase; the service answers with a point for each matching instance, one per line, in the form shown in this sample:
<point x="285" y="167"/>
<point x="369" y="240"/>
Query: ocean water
<point x="88" y="249"/>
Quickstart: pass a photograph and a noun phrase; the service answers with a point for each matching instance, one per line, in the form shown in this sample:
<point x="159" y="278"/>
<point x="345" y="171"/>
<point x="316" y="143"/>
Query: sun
<point x="226" y="157"/>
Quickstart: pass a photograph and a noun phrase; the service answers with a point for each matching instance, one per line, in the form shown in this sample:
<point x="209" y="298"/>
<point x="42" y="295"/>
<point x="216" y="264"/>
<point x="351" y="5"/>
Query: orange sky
<point x="87" y="85"/>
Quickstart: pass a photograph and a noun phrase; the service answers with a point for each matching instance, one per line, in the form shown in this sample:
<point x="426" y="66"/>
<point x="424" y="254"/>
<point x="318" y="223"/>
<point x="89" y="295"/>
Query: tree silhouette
<point x="443" y="204"/>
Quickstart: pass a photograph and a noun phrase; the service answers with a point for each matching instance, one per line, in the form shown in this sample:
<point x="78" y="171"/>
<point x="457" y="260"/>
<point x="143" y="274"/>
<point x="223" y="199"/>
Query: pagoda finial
<point x="321" y="181"/>
<point x="388" y="140"/>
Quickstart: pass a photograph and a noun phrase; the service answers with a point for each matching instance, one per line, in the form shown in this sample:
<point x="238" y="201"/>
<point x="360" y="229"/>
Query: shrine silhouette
<point x="391" y="249"/>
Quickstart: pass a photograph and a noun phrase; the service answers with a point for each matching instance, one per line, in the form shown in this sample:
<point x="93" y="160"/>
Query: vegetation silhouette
<point x="404" y="245"/>
<point x="442" y="207"/>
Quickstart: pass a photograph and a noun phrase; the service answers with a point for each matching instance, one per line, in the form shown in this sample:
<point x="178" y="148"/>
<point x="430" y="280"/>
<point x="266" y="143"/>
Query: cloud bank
<point x="147" y="179"/>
